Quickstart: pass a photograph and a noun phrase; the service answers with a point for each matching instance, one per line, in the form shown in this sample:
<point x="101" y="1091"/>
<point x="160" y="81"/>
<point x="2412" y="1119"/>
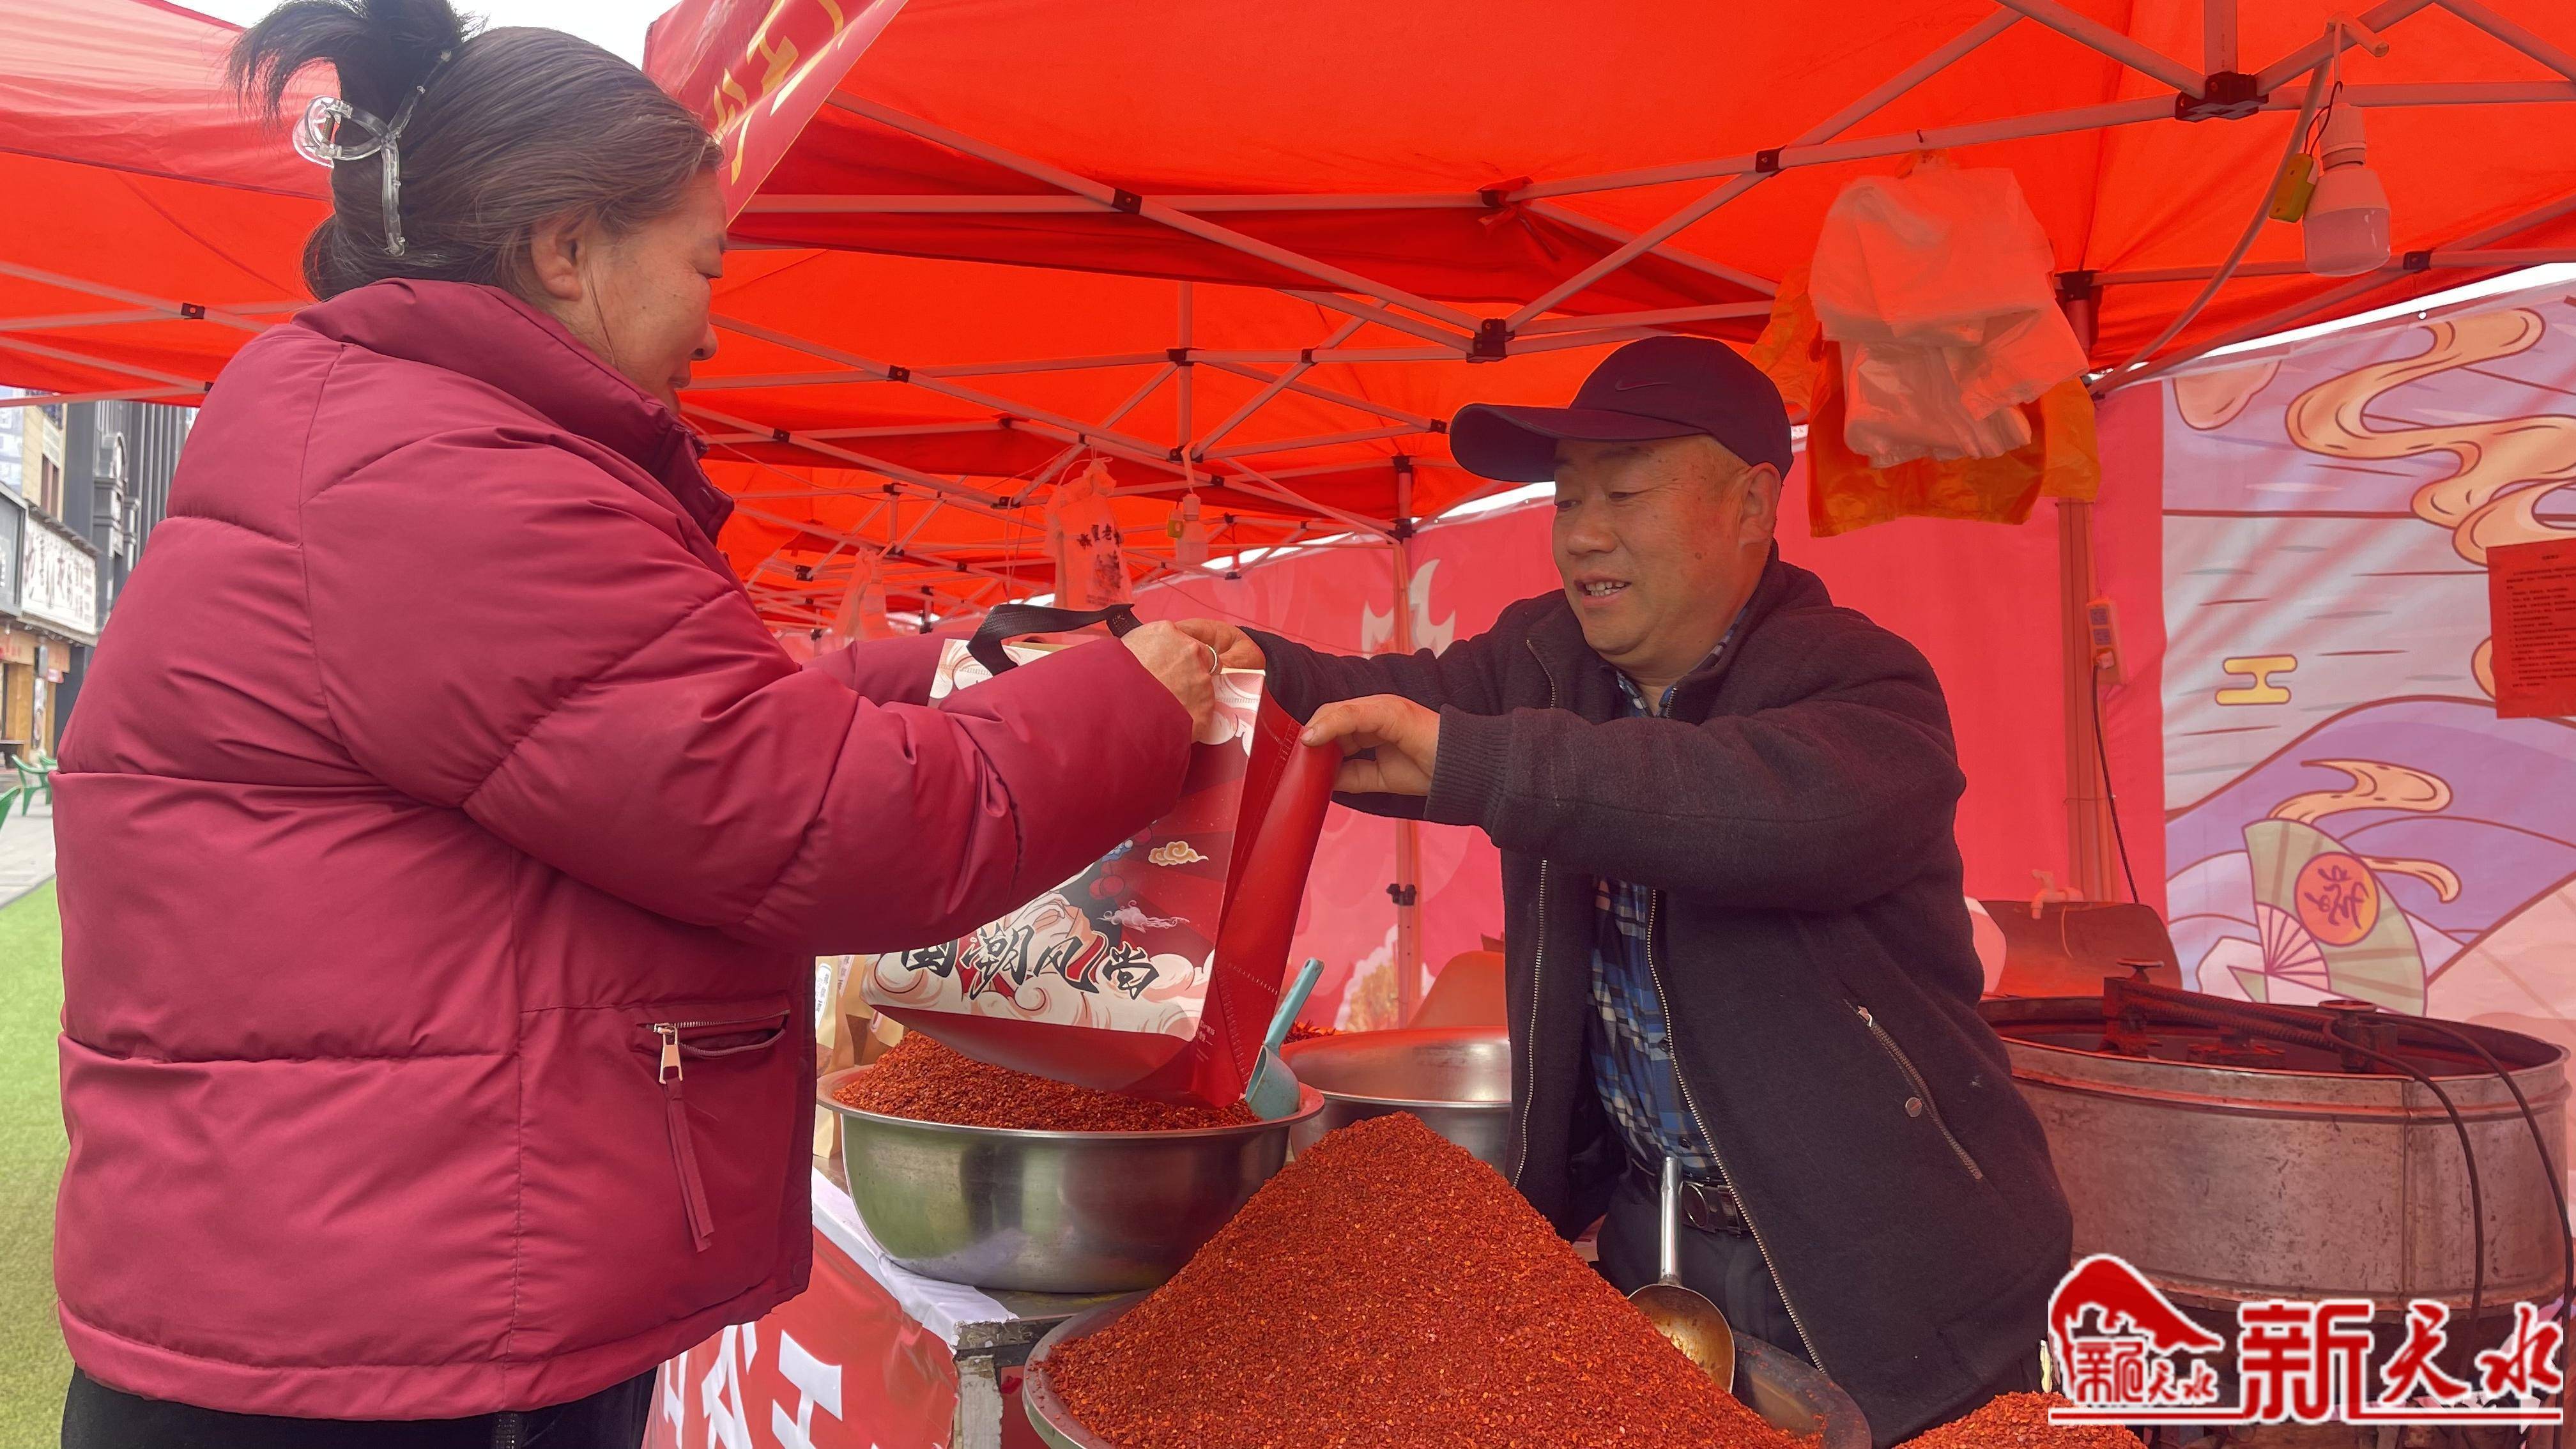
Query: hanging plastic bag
<point x="1937" y="285"/>
<point x="1083" y="538"/>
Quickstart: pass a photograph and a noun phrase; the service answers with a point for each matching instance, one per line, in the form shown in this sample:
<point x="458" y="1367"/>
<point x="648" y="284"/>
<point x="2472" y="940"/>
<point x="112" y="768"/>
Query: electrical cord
<point x="2317" y="86"/>
<point x="2273" y="1025"/>
<point x="2540" y="1143"/>
<point x="2111" y="797"/>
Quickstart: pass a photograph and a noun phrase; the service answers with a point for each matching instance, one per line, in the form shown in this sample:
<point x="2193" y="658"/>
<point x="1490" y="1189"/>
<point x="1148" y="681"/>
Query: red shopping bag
<point x="1154" y="971"/>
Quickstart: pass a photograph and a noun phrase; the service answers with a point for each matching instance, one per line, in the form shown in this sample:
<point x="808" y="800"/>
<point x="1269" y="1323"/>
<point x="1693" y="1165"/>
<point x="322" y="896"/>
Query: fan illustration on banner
<point x="2328" y="926"/>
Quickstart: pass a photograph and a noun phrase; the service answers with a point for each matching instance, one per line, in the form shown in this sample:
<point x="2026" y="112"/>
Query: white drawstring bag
<point x="1938" y="286"/>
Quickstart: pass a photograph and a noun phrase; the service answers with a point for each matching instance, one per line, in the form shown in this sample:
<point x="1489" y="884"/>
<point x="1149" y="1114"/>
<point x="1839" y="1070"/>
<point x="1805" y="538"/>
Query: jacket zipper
<point x="675" y="1117"/>
<point x="1538" y="968"/>
<point x="1690" y="1104"/>
<point x="1922" y="1092"/>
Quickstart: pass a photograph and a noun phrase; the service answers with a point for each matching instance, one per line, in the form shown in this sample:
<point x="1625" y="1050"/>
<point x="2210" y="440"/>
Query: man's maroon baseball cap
<point x="1662" y="387"/>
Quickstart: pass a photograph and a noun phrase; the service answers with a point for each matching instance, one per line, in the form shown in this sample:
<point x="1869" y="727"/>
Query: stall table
<point x="870" y="1356"/>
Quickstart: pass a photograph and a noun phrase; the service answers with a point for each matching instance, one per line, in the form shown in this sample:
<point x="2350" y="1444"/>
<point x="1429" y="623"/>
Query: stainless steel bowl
<point x="1779" y="1386"/>
<point x="1458" y="1080"/>
<point x="1050" y="1212"/>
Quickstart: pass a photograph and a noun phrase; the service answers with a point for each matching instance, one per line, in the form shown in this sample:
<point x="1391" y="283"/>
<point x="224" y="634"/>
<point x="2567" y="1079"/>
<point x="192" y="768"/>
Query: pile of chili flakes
<point x="1386" y="1289"/>
<point x="2020" y="1421"/>
<point x="927" y="1082"/>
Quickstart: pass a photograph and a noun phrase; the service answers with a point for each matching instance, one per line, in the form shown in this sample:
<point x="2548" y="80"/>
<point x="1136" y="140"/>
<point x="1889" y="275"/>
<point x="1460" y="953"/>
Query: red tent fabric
<point x="976" y="216"/>
<point x="1478" y="156"/>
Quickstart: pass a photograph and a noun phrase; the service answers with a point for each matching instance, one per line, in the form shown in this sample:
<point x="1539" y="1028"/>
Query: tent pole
<point x="2217" y="35"/>
<point x="2523" y="40"/>
<point x="1825" y="130"/>
<point x="1314" y="440"/>
<point x="1620" y="236"/>
<point x="2094" y="35"/>
<point x="131" y="394"/>
<point x="225" y="316"/>
<point x="2305" y="58"/>
<point x="1109" y="198"/>
<point x="1387" y="317"/>
<point x="2089" y="871"/>
<point x="2289" y="316"/>
<point x="1270" y="390"/>
<point x="1408" y="834"/>
<point x="1324" y="394"/>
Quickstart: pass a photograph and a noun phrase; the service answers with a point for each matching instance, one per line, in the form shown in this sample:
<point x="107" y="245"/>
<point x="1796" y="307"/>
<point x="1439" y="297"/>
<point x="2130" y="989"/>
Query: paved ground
<point x="26" y="852"/>
<point x="33" y="1365"/>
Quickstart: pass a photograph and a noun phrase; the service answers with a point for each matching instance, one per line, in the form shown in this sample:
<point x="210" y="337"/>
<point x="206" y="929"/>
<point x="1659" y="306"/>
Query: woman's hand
<point x="1185" y="665"/>
<point x="1233" y="646"/>
<point x="1391" y="745"/>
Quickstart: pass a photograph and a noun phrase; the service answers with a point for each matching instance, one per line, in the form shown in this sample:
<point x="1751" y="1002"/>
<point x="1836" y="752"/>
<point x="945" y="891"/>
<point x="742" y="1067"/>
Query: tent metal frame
<point x="1427" y="330"/>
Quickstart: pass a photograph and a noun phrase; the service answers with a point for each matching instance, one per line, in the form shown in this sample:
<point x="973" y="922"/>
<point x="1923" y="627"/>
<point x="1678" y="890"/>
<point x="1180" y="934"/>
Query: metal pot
<point x="1779" y="1386"/>
<point x="2228" y="1170"/>
<point x="1458" y="1080"/>
<point x="1050" y="1212"/>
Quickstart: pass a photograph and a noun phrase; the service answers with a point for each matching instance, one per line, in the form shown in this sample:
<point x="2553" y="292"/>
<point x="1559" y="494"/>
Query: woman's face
<point x="640" y="298"/>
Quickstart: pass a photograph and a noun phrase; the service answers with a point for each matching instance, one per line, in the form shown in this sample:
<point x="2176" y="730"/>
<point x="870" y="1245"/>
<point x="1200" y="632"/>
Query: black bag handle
<point x="1011" y="621"/>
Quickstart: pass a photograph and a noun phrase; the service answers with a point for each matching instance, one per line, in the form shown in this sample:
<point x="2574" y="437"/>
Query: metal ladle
<point x="1687" y="1318"/>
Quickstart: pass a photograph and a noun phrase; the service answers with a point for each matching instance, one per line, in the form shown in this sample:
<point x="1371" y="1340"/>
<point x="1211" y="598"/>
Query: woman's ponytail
<point x="499" y="133"/>
<point x="381" y="48"/>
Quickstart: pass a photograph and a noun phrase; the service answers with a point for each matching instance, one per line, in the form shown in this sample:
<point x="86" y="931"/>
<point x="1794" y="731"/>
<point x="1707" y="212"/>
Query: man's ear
<point x="1760" y="501"/>
<point x="558" y="251"/>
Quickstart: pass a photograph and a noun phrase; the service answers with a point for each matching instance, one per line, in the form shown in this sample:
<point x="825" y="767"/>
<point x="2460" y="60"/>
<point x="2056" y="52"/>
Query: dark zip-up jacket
<point x="1792" y="815"/>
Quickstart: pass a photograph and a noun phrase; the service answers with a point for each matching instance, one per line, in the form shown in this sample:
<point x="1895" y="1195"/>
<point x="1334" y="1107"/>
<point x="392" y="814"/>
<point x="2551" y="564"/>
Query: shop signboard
<point x="58" y="582"/>
<point x="13" y="444"/>
<point x="13" y="527"/>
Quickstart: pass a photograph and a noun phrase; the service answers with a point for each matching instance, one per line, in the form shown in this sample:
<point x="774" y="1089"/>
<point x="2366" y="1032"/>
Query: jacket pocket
<point x="733" y="1043"/>
<point x="1919" y="1102"/>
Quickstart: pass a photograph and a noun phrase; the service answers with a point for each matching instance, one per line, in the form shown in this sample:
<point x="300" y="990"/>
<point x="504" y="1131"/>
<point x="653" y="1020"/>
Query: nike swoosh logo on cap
<point x="1627" y="386"/>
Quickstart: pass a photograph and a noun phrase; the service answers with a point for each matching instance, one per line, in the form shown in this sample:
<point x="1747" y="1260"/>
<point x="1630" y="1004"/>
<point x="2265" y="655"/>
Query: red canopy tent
<point x="1386" y="196"/>
<point x="1264" y="252"/>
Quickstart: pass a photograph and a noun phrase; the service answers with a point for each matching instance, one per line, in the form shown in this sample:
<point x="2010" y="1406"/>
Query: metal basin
<point x="1458" y="1080"/>
<point x="1050" y="1212"/>
<point x="1779" y="1386"/>
<point x="2226" y="1175"/>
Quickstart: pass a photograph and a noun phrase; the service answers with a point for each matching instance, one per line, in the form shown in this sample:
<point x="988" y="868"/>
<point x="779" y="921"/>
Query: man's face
<point x="1658" y="544"/>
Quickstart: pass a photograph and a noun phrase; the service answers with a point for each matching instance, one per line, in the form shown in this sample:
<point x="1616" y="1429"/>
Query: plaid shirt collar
<point x="1632" y="1060"/>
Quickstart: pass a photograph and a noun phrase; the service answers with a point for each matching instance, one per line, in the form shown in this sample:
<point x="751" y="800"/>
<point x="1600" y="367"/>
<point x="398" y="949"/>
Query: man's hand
<point x="1403" y="737"/>
<point x="1232" y="645"/>
<point x="1185" y="665"/>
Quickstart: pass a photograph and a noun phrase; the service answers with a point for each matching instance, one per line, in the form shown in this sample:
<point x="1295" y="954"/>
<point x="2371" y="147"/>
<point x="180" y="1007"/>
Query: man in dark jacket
<point x="1736" y="931"/>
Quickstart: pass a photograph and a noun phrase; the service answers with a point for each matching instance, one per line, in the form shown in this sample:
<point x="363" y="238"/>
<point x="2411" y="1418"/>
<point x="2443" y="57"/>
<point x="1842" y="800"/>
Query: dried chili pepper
<point x="2020" y="1421"/>
<point x="1300" y="1031"/>
<point x="1388" y="1289"/>
<point x="927" y="1082"/>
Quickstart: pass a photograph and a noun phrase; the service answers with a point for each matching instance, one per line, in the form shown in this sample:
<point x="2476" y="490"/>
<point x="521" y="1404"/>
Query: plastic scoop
<point x="1272" y="1092"/>
<point x="1694" y="1324"/>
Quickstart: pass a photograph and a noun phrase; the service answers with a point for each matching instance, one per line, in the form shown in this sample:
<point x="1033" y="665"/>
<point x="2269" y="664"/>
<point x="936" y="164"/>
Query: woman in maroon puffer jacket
<point x="436" y="771"/>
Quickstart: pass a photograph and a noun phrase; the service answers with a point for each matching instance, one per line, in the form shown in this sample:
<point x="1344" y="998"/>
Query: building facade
<point x="80" y="487"/>
<point x="36" y="650"/>
<point x="118" y="460"/>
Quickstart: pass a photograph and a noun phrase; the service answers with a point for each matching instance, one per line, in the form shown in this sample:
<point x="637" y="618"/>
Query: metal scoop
<point x="1694" y="1324"/>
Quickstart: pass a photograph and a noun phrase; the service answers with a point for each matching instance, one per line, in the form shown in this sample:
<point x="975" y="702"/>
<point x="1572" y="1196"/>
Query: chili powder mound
<point x="927" y="1082"/>
<point x="2020" y="1421"/>
<point x="1387" y="1289"/>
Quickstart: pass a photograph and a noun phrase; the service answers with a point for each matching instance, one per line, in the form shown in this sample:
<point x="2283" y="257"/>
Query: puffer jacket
<point x="435" y="776"/>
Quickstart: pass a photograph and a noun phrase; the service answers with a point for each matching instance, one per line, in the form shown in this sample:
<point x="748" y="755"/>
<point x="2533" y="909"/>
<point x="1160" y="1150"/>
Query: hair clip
<point x="317" y="139"/>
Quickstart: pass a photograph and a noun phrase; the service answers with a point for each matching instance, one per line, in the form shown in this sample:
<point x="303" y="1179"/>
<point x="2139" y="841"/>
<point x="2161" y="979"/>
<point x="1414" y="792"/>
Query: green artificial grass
<point x="33" y="1365"/>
